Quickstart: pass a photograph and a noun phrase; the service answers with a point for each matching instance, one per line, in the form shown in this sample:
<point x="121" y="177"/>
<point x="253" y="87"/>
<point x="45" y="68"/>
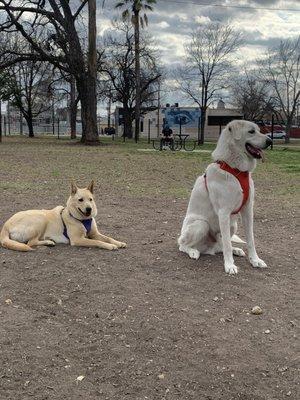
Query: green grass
<point x="47" y="164"/>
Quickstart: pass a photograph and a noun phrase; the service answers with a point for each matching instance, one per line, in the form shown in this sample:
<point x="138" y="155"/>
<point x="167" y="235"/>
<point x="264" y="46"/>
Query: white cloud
<point x="200" y="19"/>
<point x="163" y="24"/>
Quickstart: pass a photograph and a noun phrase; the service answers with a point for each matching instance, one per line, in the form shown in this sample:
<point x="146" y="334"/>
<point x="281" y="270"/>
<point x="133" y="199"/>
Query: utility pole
<point x="158" y="110"/>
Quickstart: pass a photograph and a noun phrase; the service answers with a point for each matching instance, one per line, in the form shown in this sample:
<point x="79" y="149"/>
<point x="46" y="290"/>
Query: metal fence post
<point x="272" y="131"/>
<point x="149" y="133"/>
<point x="5" y="123"/>
<point x="58" y="128"/>
<point x="180" y="127"/>
<point x="0" y="122"/>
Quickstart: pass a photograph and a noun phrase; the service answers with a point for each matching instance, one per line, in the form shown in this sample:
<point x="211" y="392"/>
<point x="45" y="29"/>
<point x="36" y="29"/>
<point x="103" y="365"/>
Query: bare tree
<point x="207" y="64"/>
<point x="280" y="69"/>
<point x="118" y="72"/>
<point x="252" y="96"/>
<point x="28" y="88"/>
<point x="63" y="49"/>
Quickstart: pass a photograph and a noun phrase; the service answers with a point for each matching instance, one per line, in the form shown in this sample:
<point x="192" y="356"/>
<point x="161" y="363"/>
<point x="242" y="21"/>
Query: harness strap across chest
<point x="241" y="176"/>
<point x="87" y="223"/>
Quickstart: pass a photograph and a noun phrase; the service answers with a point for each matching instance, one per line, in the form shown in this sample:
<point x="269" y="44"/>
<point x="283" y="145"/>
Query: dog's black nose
<point x="268" y="142"/>
<point x="88" y="210"/>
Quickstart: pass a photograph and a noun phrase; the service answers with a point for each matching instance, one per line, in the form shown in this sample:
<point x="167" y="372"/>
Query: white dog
<point x="225" y="190"/>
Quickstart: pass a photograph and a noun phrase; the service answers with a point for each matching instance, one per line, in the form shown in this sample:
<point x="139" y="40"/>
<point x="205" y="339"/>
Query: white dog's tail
<point x="236" y="239"/>
<point x="8" y="243"/>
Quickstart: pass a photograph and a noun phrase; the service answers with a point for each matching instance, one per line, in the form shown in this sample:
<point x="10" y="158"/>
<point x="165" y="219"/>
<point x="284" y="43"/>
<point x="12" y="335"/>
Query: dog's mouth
<point x="85" y="214"/>
<point x="255" y="152"/>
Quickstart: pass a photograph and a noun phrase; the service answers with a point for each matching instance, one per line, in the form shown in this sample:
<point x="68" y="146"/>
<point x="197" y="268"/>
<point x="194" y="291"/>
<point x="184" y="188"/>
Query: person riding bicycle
<point x="167" y="137"/>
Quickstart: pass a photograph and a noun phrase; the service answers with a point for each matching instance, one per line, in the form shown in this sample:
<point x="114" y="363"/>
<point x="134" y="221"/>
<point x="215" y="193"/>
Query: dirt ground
<point x="144" y="322"/>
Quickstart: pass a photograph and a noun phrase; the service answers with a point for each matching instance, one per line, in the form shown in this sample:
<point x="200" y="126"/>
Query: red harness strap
<point x="242" y="177"/>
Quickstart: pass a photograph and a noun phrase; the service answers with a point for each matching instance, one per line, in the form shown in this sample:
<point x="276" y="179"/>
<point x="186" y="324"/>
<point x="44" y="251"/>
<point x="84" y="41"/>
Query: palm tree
<point x="132" y="10"/>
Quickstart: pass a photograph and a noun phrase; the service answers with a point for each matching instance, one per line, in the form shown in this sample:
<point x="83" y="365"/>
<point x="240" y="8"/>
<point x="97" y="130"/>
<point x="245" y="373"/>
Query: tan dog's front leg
<point x="93" y="243"/>
<point x="95" y="234"/>
<point x="37" y="242"/>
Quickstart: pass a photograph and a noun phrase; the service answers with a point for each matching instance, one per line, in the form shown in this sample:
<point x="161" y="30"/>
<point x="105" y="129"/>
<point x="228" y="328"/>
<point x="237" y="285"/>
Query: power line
<point x="231" y="6"/>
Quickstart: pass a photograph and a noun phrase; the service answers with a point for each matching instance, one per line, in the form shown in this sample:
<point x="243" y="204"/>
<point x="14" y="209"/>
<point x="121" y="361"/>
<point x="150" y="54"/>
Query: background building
<point x="183" y="119"/>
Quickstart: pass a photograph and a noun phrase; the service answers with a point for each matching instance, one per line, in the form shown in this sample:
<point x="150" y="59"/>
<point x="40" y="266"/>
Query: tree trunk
<point x="29" y="121"/>
<point x="87" y="94"/>
<point x="137" y="74"/>
<point x="86" y="84"/>
<point x="202" y="125"/>
<point x="73" y="108"/>
<point x="127" y="123"/>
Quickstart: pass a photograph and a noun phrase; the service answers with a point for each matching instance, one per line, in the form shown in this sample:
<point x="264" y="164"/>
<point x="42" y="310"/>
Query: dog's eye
<point x="81" y="200"/>
<point x="252" y="131"/>
<point x="91" y="199"/>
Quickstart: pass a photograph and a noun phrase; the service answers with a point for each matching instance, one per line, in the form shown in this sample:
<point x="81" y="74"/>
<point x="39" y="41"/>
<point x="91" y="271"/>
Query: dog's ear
<point x="74" y="188"/>
<point x="235" y="131"/>
<point x="91" y="187"/>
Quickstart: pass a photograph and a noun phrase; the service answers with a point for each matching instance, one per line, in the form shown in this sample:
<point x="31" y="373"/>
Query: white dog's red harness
<point x="241" y="176"/>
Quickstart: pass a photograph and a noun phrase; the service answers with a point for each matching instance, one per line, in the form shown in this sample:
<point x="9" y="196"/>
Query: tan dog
<point x="74" y="224"/>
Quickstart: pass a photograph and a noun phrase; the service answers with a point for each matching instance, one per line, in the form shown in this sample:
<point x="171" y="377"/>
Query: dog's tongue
<point x="254" y="151"/>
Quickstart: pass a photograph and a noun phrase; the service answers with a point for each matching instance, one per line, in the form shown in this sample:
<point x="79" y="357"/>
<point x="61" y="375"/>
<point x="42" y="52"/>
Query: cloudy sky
<point x="263" y="22"/>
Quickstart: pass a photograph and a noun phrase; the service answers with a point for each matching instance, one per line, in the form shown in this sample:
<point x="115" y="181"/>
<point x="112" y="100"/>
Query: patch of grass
<point x="16" y="185"/>
<point x="55" y="173"/>
<point x="292" y="168"/>
<point x="117" y="167"/>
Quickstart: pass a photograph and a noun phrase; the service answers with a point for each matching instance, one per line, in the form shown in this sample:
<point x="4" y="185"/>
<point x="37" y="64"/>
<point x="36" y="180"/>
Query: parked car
<point x="109" y="131"/>
<point x="277" y="135"/>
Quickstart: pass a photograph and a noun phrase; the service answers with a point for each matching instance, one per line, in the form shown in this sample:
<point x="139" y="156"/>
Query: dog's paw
<point x="182" y="248"/>
<point x="236" y="251"/>
<point x="112" y="247"/>
<point x="121" y="245"/>
<point x="257" y="263"/>
<point x="231" y="269"/>
<point x="194" y="253"/>
<point x="50" y="243"/>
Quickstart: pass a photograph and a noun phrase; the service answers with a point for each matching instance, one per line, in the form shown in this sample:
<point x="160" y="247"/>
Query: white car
<point x="277" y="135"/>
